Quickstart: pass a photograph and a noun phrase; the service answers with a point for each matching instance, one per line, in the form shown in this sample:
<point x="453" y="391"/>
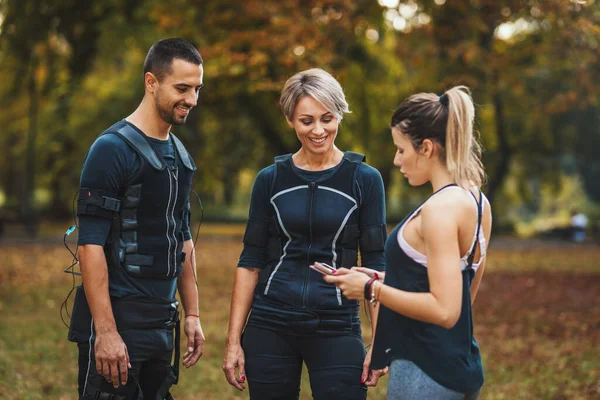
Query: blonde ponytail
<point x="463" y="152"/>
<point x="447" y="120"/>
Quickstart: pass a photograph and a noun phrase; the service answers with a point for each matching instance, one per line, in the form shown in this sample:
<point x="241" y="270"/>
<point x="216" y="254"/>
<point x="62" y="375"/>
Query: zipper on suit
<point x="171" y="225"/>
<point x="312" y="186"/>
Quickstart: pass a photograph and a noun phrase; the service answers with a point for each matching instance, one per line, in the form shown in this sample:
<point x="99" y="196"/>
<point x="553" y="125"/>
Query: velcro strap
<point x="349" y="258"/>
<point x="132" y="195"/>
<point x="139" y="259"/>
<point x="350" y="236"/>
<point x="96" y="202"/>
<point x="130" y="247"/>
<point x="129" y="236"/>
<point x="257" y="233"/>
<point x="372" y="237"/>
<point x="128" y="224"/>
<point x="111" y="204"/>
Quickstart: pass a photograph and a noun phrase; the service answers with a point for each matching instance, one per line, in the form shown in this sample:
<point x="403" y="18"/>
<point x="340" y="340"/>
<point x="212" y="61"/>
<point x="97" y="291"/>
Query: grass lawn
<point x="537" y="319"/>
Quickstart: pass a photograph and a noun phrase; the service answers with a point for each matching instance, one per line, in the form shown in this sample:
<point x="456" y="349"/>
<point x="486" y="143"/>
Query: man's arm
<point x="188" y="291"/>
<point x="112" y="359"/>
<point x="107" y="164"/>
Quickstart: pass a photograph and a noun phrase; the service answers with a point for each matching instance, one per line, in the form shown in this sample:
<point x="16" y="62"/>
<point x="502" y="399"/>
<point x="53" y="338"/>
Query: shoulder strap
<point x="283" y="157"/>
<point x="354" y="157"/>
<point x="137" y="141"/>
<point x="479" y="218"/>
<point x="278" y="161"/>
<point x="185" y="157"/>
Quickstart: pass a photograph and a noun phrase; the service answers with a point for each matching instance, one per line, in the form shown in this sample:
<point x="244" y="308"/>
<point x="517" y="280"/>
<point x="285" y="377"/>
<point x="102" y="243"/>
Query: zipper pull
<point x="313" y="186"/>
<point x="174" y="172"/>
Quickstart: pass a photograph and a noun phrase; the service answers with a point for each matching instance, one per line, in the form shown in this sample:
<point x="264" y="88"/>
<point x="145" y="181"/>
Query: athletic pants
<point x="409" y="382"/>
<point x="274" y="365"/>
<point x="150" y="353"/>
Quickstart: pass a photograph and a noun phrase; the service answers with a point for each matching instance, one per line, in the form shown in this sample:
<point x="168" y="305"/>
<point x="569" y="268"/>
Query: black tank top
<point x="449" y="356"/>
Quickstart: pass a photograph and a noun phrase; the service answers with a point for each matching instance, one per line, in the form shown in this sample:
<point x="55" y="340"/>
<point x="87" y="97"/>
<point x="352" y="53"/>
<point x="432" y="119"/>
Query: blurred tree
<point x="72" y="68"/>
<point x="56" y="43"/>
<point x="530" y="64"/>
<point x="251" y="48"/>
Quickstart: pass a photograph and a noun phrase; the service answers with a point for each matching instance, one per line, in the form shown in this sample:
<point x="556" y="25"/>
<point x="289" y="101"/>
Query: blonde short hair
<point x="319" y="85"/>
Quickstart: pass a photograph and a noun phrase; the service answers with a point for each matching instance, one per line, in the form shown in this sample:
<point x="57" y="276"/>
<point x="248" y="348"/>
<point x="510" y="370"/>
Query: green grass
<point x="537" y="318"/>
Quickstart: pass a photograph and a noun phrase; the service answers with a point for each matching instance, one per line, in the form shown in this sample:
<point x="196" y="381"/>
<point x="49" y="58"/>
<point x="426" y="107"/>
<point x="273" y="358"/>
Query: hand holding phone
<point x="322" y="268"/>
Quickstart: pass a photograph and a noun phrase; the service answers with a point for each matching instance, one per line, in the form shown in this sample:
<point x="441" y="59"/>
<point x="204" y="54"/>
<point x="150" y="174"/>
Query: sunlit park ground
<point x="537" y="319"/>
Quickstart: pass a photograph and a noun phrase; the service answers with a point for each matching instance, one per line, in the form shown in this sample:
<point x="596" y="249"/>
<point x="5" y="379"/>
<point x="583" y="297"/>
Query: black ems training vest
<point x="312" y="221"/>
<point x="146" y="237"/>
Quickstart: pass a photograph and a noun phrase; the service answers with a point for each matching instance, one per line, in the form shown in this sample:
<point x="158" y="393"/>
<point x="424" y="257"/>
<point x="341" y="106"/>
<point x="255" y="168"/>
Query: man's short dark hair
<point x="162" y="53"/>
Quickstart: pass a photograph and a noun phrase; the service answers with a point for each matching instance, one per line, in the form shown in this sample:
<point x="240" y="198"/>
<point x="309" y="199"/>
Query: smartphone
<point x="322" y="268"/>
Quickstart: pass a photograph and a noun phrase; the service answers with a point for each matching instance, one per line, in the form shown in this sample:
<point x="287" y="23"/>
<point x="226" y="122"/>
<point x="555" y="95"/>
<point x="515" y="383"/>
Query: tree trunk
<point x="386" y="176"/>
<point x="504" y="150"/>
<point x="59" y="205"/>
<point x="11" y="172"/>
<point x="268" y="130"/>
<point x="29" y="214"/>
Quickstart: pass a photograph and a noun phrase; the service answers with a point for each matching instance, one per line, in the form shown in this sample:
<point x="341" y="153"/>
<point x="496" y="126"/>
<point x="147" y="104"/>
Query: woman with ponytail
<point x="435" y="258"/>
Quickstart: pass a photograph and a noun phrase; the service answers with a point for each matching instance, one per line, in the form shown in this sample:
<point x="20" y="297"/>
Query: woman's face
<point x="411" y="164"/>
<point x="315" y="126"/>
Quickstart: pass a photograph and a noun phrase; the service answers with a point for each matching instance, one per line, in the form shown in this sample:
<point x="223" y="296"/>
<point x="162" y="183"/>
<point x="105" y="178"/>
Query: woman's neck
<point x="317" y="162"/>
<point x="440" y="177"/>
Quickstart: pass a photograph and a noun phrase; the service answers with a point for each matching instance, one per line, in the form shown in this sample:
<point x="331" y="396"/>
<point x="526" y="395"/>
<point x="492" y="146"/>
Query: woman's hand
<point x="370" y="272"/>
<point x="234" y="358"/>
<point x="351" y="283"/>
<point x="371" y="377"/>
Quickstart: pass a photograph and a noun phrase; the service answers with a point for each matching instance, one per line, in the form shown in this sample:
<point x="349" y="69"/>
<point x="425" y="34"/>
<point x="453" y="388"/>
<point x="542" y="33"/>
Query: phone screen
<point x="322" y="268"/>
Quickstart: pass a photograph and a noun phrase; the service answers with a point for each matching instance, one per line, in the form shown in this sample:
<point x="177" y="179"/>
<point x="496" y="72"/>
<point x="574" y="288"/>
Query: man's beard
<point x="168" y="114"/>
<point x="170" y="117"/>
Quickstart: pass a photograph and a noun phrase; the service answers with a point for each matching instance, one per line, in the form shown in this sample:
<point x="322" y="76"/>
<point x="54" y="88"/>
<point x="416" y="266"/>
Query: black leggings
<point x="274" y="365"/>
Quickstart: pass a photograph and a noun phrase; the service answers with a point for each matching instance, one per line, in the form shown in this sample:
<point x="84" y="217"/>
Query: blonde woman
<point x="435" y="258"/>
<point x="319" y="204"/>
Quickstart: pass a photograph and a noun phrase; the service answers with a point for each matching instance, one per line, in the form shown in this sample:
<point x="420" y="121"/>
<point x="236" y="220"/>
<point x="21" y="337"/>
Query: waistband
<point x="303" y="321"/>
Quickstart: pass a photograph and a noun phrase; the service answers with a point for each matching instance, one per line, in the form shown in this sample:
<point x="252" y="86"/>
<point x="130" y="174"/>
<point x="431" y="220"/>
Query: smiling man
<point x="135" y="247"/>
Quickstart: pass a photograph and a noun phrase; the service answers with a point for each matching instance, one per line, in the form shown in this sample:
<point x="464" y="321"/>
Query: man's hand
<point x="234" y="358"/>
<point x="112" y="359"/>
<point x="371" y="377"/>
<point x="195" y="345"/>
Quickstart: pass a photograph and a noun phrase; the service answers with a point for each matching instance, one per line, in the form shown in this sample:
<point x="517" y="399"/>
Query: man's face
<point x="178" y="91"/>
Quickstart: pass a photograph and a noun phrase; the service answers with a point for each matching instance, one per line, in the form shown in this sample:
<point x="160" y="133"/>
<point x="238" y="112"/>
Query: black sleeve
<point x="185" y="223"/>
<point x="109" y="164"/>
<point x="373" y="232"/>
<point x="254" y="254"/>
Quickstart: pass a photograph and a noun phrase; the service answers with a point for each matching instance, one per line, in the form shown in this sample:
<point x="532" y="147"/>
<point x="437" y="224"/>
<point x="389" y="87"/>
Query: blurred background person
<point x="579" y="224"/>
